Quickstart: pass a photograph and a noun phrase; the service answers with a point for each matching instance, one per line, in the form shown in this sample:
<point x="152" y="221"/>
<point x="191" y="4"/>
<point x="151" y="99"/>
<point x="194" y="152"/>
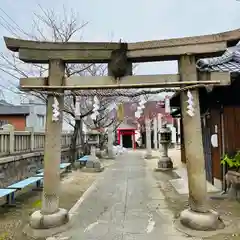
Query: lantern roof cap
<point x="93" y="132"/>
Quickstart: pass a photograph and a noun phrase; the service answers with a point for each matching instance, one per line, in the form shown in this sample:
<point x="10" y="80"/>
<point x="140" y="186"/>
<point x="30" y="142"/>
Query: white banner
<point x="167" y="105"/>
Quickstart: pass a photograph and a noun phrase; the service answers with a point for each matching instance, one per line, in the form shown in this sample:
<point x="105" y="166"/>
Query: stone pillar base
<point x="92" y="170"/>
<point x="41" y="226"/>
<point x="93" y="162"/>
<point x="165" y="163"/>
<point x="99" y="154"/>
<point x="148" y="156"/>
<point x="93" y="165"/>
<point x="110" y="155"/>
<point x="201" y="221"/>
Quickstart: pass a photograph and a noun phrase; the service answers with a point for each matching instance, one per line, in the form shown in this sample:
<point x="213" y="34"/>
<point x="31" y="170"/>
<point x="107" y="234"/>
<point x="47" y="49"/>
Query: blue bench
<point x="41" y="174"/>
<point x="65" y="165"/>
<point x="83" y="160"/>
<point x="62" y="166"/>
<point x="26" y="182"/>
<point x="9" y="194"/>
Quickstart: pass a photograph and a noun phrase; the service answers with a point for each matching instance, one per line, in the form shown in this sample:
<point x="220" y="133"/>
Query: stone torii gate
<point x="51" y="218"/>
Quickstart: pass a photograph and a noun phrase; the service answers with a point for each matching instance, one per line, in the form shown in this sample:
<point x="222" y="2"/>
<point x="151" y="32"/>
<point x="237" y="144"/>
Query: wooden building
<point x="220" y="114"/>
<point x="15" y="115"/>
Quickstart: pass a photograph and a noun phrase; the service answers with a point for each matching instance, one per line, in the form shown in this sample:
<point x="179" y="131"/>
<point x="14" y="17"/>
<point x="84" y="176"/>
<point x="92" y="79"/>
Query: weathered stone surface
<point x="165" y="163"/>
<point x="42" y="226"/>
<point x="93" y="162"/>
<point x="89" y="164"/>
<point x="192" y="132"/>
<point x="85" y="52"/>
<point x="40" y="221"/>
<point x="201" y="221"/>
<point x="16" y="168"/>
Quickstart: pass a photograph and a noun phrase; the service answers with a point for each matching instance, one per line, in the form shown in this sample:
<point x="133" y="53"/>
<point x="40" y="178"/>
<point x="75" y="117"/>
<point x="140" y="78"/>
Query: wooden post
<point x="51" y="216"/>
<point x="182" y="143"/>
<point x="178" y="132"/>
<point x="198" y="216"/>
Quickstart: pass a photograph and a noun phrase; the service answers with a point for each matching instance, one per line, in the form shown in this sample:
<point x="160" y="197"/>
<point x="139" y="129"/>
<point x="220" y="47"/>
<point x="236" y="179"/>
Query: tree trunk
<point x="73" y="146"/>
<point x="102" y="141"/>
<point x="81" y="134"/>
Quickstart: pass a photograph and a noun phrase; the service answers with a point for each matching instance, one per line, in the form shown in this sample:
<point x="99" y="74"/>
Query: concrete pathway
<point x="125" y="204"/>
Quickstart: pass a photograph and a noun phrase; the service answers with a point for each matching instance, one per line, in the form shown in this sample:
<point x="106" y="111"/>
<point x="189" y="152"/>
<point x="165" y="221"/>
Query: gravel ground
<point x="228" y="209"/>
<point x="12" y="220"/>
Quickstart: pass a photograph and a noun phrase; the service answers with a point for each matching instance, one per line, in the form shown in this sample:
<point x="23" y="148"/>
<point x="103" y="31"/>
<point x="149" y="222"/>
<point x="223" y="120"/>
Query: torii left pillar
<point x="51" y="219"/>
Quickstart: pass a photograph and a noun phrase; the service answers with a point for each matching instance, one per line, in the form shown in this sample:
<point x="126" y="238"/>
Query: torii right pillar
<point x="198" y="216"/>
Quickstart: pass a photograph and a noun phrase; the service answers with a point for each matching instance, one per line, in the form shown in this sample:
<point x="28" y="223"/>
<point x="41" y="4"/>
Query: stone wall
<point x="19" y="167"/>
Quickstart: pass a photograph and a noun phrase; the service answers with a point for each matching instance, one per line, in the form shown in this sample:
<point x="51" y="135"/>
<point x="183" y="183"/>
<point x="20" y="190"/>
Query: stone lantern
<point x="93" y="161"/>
<point x="93" y="137"/>
<point x="165" y="161"/>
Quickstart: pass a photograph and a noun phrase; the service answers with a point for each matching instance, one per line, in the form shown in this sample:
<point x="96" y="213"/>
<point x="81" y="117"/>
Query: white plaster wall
<point x="33" y="120"/>
<point x="37" y="107"/>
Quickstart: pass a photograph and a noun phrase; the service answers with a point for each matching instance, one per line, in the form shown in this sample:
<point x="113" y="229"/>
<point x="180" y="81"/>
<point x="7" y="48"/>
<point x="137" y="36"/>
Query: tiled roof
<point x="14" y="110"/>
<point x="126" y="126"/>
<point x="228" y="62"/>
<point x="4" y="103"/>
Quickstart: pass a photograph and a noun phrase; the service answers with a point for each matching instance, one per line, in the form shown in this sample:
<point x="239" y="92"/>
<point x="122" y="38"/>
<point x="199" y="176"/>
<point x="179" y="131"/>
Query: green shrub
<point x="232" y="160"/>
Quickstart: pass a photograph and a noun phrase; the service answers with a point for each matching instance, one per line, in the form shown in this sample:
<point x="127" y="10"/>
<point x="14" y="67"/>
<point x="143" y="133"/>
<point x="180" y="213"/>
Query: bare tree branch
<point x="49" y="25"/>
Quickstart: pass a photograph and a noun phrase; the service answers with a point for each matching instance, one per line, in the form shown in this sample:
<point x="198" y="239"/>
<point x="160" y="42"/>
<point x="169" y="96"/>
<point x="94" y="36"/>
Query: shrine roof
<point x="126" y="126"/>
<point x="229" y="61"/>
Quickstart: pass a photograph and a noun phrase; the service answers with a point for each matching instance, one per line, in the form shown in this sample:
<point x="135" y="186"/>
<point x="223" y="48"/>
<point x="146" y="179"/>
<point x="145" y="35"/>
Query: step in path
<point x="181" y="184"/>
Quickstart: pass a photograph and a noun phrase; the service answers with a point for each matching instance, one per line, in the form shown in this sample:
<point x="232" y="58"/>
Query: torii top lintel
<point x="99" y="52"/>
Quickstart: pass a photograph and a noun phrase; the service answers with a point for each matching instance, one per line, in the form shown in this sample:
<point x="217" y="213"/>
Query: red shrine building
<point x="126" y="135"/>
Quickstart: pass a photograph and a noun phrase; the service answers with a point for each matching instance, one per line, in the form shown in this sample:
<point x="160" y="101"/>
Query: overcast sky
<point x="135" y="20"/>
